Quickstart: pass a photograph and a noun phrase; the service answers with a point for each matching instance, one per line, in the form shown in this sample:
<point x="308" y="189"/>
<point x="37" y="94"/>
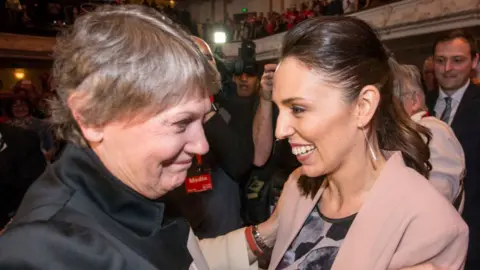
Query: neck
<point x="356" y="177"/>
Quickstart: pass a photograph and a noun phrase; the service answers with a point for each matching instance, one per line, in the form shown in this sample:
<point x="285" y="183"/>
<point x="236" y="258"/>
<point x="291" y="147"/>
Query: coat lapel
<point x="290" y="227"/>
<point x="470" y="98"/>
<point x="363" y="243"/>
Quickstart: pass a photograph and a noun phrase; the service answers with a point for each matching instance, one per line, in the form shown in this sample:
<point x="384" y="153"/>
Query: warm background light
<point x="19" y="74"/>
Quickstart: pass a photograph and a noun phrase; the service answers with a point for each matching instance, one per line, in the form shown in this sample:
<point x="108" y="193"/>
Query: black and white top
<point x="317" y="243"/>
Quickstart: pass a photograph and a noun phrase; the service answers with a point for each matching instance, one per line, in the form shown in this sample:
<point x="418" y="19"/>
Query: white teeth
<point x="302" y="150"/>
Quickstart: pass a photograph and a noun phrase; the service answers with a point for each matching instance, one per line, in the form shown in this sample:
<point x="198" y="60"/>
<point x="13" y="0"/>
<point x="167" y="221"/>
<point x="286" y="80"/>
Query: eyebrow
<point x="291" y="100"/>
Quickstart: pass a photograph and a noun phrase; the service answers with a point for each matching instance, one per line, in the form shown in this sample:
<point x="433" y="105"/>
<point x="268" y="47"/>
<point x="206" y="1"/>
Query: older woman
<point x="446" y="152"/>
<point x="133" y="92"/>
<point x="363" y="201"/>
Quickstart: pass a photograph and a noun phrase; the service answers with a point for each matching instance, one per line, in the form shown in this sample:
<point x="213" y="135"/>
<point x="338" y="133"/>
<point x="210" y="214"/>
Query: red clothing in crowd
<point x="270" y="28"/>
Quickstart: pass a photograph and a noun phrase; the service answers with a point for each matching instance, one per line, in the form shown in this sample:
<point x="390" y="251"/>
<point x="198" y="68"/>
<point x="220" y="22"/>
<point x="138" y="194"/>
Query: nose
<point x="243" y="77"/>
<point x="448" y="65"/>
<point x="283" y="129"/>
<point x="197" y="144"/>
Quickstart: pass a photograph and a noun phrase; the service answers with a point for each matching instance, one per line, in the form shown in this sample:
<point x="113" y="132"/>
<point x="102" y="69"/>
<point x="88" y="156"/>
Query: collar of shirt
<point x="457" y="95"/>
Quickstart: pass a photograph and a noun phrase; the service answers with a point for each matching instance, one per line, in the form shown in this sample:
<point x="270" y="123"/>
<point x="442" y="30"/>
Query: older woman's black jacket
<point x="79" y="216"/>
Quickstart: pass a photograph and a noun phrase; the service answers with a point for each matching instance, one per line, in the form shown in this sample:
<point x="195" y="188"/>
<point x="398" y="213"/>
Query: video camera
<point x="245" y="62"/>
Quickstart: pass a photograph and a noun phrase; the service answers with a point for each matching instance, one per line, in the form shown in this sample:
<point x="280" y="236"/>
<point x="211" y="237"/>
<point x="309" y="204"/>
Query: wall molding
<point x="397" y="20"/>
<point x="23" y="46"/>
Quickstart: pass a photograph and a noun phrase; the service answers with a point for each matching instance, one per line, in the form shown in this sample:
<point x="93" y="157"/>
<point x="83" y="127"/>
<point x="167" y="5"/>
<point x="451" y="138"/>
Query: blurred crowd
<point x="253" y="25"/>
<point x="47" y="17"/>
<point x="27" y="107"/>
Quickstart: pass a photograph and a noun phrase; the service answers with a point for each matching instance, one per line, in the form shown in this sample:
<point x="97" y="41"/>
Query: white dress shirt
<point x="456" y="99"/>
<point x="446" y="156"/>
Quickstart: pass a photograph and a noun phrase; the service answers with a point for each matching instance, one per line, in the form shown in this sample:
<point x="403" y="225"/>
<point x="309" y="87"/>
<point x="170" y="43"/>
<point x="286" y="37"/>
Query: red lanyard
<point x="199" y="159"/>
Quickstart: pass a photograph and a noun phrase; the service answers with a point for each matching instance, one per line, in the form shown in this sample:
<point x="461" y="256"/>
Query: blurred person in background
<point x="428" y="75"/>
<point x="21" y="162"/>
<point x="215" y="209"/>
<point x="457" y="103"/>
<point x="20" y="114"/>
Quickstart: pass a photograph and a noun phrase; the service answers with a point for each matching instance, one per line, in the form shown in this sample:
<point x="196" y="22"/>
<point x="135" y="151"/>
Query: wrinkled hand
<point x="425" y="266"/>
<point x="267" y="81"/>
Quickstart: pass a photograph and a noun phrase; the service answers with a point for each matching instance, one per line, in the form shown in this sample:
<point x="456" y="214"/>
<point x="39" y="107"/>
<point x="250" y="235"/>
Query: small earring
<point x="372" y="153"/>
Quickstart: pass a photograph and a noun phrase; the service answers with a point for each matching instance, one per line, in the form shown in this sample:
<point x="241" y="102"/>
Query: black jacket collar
<point x="82" y="170"/>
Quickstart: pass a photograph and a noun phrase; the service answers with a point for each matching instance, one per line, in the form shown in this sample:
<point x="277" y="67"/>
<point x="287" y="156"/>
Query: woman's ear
<point x="367" y="103"/>
<point x="92" y="133"/>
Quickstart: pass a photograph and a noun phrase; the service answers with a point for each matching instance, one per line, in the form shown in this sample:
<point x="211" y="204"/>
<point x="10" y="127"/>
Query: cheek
<point x="466" y="68"/>
<point x="168" y="149"/>
<point x="334" y="138"/>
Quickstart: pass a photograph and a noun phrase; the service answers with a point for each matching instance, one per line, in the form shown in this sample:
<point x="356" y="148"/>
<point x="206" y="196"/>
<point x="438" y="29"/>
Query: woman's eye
<point x="296" y="109"/>
<point x="182" y="125"/>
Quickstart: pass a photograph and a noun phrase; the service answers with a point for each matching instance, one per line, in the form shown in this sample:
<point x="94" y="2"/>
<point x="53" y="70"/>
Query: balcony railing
<point x="392" y="21"/>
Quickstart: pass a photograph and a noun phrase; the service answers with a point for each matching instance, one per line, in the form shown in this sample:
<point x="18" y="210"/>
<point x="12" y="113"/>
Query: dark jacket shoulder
<point x="77" y="206"/>
<point x="58" y="245"/>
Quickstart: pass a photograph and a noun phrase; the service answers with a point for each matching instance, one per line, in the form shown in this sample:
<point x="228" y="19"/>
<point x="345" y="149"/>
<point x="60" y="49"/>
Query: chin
<point x="173" y="181"/>
<point x="313" y="171"/>
<point x="179" y="179"/>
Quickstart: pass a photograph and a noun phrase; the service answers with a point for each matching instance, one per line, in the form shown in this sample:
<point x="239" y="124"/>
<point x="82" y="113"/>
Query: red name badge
<point x="200" y="182"/>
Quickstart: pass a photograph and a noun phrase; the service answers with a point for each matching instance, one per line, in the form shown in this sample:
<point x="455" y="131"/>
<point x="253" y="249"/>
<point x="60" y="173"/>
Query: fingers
<point x="267" y="81"/>
<point x="270" y="68"/>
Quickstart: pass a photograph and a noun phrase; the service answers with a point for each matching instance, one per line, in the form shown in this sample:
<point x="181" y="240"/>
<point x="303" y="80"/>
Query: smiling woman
<point x="133" y="93"/>
<point x="360" y="199"/>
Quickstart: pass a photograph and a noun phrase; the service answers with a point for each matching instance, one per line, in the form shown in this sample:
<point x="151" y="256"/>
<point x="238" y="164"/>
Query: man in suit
<point x="457" y="102"/>
<point x="21" y="162"/>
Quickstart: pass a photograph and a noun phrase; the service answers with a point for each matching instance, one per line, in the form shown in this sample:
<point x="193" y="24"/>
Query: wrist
<point x="265" y="95"/>
<point x="268" y="232"/>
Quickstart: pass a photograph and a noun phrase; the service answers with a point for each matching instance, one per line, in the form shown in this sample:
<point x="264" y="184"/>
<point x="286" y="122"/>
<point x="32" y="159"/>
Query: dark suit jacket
<point x="466" y="125"/>
<point x="21" y="163"/>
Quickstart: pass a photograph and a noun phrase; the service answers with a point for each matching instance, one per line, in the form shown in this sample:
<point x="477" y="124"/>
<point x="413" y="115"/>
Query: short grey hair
<point x="128" y="62"/>
<point x="407" y="82"/>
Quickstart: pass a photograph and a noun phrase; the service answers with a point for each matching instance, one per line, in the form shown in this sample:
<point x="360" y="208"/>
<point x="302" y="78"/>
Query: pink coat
<point x="403" y="222"/>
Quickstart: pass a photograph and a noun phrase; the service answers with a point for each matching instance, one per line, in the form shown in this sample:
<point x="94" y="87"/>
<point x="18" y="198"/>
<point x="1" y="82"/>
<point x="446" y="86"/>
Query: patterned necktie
<point x="448" y="110"/>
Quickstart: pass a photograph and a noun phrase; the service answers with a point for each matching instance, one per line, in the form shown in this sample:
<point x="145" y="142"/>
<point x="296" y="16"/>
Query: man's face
<point x="453" y="63"/>
<point x="247" y="84"/>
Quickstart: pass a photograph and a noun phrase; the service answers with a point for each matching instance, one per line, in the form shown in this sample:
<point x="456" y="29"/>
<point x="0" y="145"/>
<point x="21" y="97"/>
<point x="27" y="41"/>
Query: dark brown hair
<point x="459" y="33"/>
<point x="349" y="51"/>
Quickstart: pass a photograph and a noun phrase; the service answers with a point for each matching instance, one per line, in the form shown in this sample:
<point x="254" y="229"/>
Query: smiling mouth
<point x="185" y="162"/>
<point x="302" y="150"/>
